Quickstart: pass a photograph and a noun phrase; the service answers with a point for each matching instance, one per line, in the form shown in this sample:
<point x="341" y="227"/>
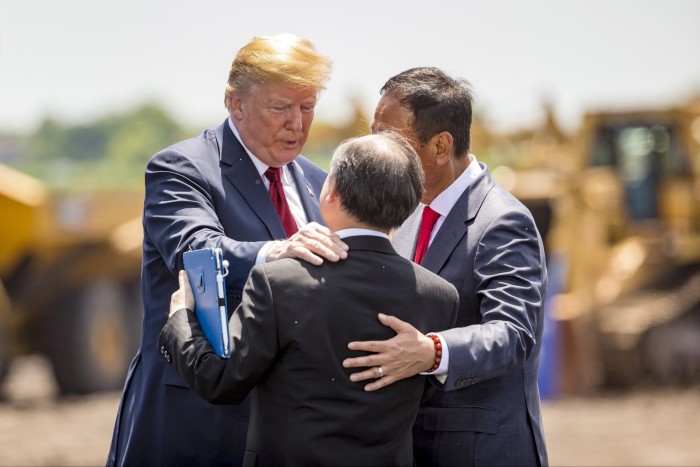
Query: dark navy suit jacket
<point x="202" y="192"/>
<point x="489" y="410"/>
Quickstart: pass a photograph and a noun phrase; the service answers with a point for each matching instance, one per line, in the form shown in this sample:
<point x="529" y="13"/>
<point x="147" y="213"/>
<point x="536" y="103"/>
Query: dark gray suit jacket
<point x="202" y="192"/>
<point x="290" y="337"/>
<point x="489" y="412"/>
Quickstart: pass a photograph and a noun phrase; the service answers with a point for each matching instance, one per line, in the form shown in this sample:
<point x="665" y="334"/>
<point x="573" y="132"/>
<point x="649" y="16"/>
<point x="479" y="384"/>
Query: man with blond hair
<point x="242" y="187"/>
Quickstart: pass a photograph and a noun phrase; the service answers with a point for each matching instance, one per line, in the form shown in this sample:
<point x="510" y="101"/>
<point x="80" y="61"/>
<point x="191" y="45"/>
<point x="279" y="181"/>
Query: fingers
<point x="321" y="241"/>
<point x="312" y="243"/>
<point x="365" y="360"/>
<point x="380" y="383"/>
<point x="184" y="282"/>
<point x="369" y="373"/>
<point x="178" y="299"/>
<point x="401" y="327"/>
<point x="402" y="356"/>
<point x="181" y="275"/>
<point x="187" y="290"/>
<point x="395" y="323"/>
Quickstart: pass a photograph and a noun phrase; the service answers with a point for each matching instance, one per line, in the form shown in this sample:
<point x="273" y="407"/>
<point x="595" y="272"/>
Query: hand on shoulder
<point x="312" y="243"/>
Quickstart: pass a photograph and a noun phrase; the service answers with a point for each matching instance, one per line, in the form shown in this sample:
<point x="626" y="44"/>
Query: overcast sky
<point x="80" y="59"/>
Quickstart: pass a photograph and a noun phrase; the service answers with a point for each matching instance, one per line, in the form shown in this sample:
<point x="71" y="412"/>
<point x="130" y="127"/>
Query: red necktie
<point x="280" y="201"/>
<point x="427" y="223"/>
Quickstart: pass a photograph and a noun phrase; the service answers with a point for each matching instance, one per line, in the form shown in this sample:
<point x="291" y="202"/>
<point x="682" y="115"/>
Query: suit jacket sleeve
<point x="254" y="346"/>
<point x="179" y="212"/>
<point x="509" y="274"/>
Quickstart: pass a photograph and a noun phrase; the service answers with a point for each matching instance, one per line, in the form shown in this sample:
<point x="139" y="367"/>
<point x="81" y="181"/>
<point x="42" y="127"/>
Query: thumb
<point x="395" y="323"/>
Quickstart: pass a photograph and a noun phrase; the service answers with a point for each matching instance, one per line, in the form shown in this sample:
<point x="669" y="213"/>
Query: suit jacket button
<point x="162" y="349"/>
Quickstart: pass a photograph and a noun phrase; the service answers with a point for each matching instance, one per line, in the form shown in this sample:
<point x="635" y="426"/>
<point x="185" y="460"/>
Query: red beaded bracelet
<point x="438" y="351"/>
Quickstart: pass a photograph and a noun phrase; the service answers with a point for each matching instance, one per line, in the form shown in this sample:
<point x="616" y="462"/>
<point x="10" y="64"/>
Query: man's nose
<point x="294" y="119"/>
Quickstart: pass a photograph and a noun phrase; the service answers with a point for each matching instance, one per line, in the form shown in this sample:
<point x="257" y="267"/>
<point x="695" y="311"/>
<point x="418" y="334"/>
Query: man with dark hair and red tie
<point x="476" y="235"/>
<point x="214" y="191"/>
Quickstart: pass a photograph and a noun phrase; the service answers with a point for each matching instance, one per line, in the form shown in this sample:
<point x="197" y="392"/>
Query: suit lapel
<point x="244" y="177"/>
<point x="306" y="194"/>
<point x="405" y="237"/>
<point x="455" y="226"/>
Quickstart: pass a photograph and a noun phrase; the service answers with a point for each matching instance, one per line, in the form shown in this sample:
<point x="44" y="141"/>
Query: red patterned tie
<point x="427" y="223"/>
<point x="280" y="201"/>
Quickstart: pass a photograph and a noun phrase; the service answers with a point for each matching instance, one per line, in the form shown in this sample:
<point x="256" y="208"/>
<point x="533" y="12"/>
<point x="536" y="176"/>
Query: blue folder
<point x="206" y="270"/>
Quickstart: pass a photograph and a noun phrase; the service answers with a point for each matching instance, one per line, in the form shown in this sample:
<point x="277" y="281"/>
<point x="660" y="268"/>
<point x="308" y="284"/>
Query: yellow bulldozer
<point x="618" y="205"/>
<point x="69" y="281"/>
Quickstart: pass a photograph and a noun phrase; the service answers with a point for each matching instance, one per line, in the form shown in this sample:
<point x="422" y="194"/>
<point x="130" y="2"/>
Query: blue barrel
<point x="550" y="354"/>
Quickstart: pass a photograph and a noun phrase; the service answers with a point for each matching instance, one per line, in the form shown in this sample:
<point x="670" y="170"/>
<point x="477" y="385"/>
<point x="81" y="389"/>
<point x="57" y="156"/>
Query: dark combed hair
<point x="378" y="178"/>
<point x="438" y="103"/>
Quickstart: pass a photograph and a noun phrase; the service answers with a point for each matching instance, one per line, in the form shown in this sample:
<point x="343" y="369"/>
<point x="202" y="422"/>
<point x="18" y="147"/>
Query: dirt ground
<point x="641" y="428"/>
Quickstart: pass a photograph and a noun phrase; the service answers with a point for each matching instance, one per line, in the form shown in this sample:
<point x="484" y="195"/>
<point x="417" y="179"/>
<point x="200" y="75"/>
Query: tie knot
<point x="430" y="217"/>
<point x="427" y="223"/>
<point x="273" y="174"/>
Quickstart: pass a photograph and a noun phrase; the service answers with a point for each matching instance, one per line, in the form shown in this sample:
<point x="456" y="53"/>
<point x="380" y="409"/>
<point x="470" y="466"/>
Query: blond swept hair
<point x="281" y="59"/>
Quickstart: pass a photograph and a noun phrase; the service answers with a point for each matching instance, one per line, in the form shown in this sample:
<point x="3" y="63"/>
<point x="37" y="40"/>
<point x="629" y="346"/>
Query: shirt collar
<point x="445" y="201"/>
<point x="260" y="166"/>
<point x="355" y="231"/>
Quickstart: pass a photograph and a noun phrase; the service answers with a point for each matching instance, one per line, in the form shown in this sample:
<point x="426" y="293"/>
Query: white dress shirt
<point x="291" y="192"/>
<point x="443" y="204"/>
<point x="355" y="231"/>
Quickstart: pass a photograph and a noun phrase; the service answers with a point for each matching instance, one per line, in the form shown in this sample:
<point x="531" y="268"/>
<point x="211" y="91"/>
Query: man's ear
<point x="235" y="105"/>
<point x="331" y="194"/>
<point x="443" y="147"/>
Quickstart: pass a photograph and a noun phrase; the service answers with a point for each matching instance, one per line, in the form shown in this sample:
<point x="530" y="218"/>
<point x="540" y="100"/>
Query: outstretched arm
<point x="180" y="213"/>
<point x="312" y="243"/>
<point x="510" y="276"/>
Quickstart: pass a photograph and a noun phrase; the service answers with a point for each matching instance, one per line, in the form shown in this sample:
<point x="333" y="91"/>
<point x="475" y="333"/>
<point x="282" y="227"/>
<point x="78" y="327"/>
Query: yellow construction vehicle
<point x="619" y="207"/>
<point x="69" y="280"/>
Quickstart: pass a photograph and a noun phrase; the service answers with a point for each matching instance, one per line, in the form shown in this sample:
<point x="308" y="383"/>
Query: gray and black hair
<point x="437" y="101"/>
<point x="378" y="178"/>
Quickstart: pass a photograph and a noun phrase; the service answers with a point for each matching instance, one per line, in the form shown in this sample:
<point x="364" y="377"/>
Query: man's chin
<point x="288" y="154"/>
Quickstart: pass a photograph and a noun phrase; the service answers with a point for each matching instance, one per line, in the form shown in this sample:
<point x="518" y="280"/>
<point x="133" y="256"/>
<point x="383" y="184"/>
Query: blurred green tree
<point x="110" y="153"/>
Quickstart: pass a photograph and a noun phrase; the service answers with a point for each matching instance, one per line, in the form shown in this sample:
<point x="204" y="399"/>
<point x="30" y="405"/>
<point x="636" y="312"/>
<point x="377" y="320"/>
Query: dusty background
<point x="640" y="428"/>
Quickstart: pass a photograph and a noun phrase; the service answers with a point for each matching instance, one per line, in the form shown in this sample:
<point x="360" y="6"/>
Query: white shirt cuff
<point x="260" y="259"/>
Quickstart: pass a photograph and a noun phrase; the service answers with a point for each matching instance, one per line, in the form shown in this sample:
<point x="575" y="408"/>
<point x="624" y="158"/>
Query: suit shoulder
<point x="196" y="149"/>
<point x="428" y="277"/>
<point x="283" y="269"/>
<point x="501" y="204"/>
<point x="498" y="194"/>
<point x="309" y="168"/>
